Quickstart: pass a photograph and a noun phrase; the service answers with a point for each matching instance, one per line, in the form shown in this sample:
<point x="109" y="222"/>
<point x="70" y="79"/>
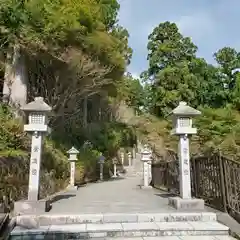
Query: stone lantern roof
<point x="38" y="105"/>
<point x="73" y="150"/>
<point x="184" y="110"/>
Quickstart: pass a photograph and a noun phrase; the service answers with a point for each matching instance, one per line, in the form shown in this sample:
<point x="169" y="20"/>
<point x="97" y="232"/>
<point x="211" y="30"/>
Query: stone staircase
<point x="131" y="171"/>
<point x="135" y="226"/>
<point x="136" y="169"/>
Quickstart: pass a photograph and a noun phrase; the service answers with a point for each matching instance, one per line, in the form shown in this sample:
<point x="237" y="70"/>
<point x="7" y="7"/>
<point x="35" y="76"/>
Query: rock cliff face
<point x="15" y="79"/>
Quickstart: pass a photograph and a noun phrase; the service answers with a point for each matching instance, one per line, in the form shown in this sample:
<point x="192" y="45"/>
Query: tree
<point x="52" y="29"/>
<point x="167" y="46"/>
<point x="135" y="93"/>
<point x="170" y="55"/>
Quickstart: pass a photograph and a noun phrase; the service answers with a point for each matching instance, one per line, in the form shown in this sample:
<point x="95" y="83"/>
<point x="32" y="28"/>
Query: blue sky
<point x="212" y="24"/>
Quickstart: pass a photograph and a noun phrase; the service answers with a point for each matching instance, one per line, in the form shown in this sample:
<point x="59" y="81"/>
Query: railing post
<point x="167" y="176"/>
<point x="194" y="175"/>
<point x="222" y="179"/>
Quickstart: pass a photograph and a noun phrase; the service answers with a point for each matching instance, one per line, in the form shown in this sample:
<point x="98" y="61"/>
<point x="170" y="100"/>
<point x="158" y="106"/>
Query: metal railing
<point x="215" y="178"/>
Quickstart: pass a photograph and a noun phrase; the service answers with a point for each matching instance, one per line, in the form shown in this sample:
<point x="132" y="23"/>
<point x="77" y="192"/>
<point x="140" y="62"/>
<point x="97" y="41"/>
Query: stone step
<point x="45" y="219"/>
<point x="122" y="230"/>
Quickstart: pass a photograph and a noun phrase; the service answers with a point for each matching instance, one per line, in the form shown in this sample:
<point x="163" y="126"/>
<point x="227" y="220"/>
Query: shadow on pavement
<point x="62" y="196"/>
<point x="165" y="195"/>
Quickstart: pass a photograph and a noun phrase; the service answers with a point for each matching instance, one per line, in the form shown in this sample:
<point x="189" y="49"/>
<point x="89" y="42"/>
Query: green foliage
<point x="11" y="136"/>
<point x="219" y="129"/>
<point x="110" y="136"/>
<point x="176" y="74"/>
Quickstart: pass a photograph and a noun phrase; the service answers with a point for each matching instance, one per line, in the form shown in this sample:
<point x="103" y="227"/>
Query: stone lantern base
<point x="146" y="187"/>
<point x="72" y="188"/>
<point x="31" y="207"/>
<point x="186" y="204"/>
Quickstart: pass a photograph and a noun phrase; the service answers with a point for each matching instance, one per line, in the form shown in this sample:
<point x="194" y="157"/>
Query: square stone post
<point x="37" y="114"/>
<point x="122" y="157"/>
<point x="129" y="159"/>
<point x="182" y="119"/>
<point x="72" y="159"/>
<point x="35" y="162"/>
<point x="149" y="171"/>
<point x="114" y="167"/>
<point x="134" y="151"/>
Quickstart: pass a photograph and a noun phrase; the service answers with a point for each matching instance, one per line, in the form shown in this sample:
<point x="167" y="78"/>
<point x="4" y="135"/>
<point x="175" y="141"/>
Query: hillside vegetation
<point x="176" y="74"/>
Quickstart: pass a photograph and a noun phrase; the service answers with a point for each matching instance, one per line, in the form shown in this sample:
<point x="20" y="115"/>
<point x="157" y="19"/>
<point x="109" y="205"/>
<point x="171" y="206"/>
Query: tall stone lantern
<point x="182" y="119"/>
<point x="73" y="152"/>
<point x="146" y="158"/>
<point x="37" y="113"/>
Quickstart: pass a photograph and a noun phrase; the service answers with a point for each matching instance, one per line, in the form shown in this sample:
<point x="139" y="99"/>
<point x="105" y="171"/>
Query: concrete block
<point x="184" y="217"/>
<point x="209" y="216"/>
<point x="31" y="207"/>
<point x="146" y="187"/>
<point x="186" y="204"/>
<point x="71" y="188"/>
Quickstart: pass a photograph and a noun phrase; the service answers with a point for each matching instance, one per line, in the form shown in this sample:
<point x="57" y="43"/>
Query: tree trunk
<point x="15" y="79"/>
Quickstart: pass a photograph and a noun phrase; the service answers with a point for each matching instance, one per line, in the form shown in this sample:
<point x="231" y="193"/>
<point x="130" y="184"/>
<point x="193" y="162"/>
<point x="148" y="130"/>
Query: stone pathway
<point x="114" y="196"/>
<point x="102" y="211"/>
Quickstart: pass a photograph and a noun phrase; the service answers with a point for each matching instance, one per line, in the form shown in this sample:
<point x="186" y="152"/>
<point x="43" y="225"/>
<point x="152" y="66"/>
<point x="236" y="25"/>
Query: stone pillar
<point x="139" y="146"/>
<point x="115" y="167"/>
<point x="134" y="151"/>
<point x="146" y="159"/>
<point x="37" y="113"/>
<point x="184" y="168"/>
<point x="182" y="118"/>
<point x="73" y="152"/>
<point x="115" y="170"/>
<point x="129" y="159"/>
<point x="122" y="158"/>
<point x="101" y="172"/>
<point x="149" y="171"/>
<point x="35" y="163"/>
<point x="145" y="175"/>
<point x="101" y="162"/>
<point x="72" y="173"/>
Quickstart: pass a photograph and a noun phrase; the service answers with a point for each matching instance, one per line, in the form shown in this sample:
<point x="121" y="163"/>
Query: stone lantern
<point x="73" y="152"/>
<point x="122" y="157"/>
<point x="182" y="119"/>
<point x="115" y="161"/>
<point x="146" y="158"/>
<point x="129" y="158"/>
<point x="37" y="113"/>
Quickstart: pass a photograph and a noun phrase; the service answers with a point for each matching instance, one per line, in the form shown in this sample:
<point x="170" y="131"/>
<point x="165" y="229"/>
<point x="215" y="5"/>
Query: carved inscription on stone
<point x="34" y="171"/>
<point x="35" y="148"/>
<point x="34" y="161"/>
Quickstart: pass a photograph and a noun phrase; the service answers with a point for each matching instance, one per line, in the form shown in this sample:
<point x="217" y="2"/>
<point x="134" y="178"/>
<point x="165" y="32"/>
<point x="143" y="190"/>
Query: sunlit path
<point x="123" y="195"/>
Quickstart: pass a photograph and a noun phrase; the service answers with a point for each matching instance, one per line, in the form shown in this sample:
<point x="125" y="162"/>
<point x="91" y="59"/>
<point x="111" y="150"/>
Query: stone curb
<point x="45" y="219"/>
<point x="114" y="230"/>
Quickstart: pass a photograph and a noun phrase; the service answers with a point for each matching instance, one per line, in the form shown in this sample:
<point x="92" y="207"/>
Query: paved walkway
<point x="120" y="195"/>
